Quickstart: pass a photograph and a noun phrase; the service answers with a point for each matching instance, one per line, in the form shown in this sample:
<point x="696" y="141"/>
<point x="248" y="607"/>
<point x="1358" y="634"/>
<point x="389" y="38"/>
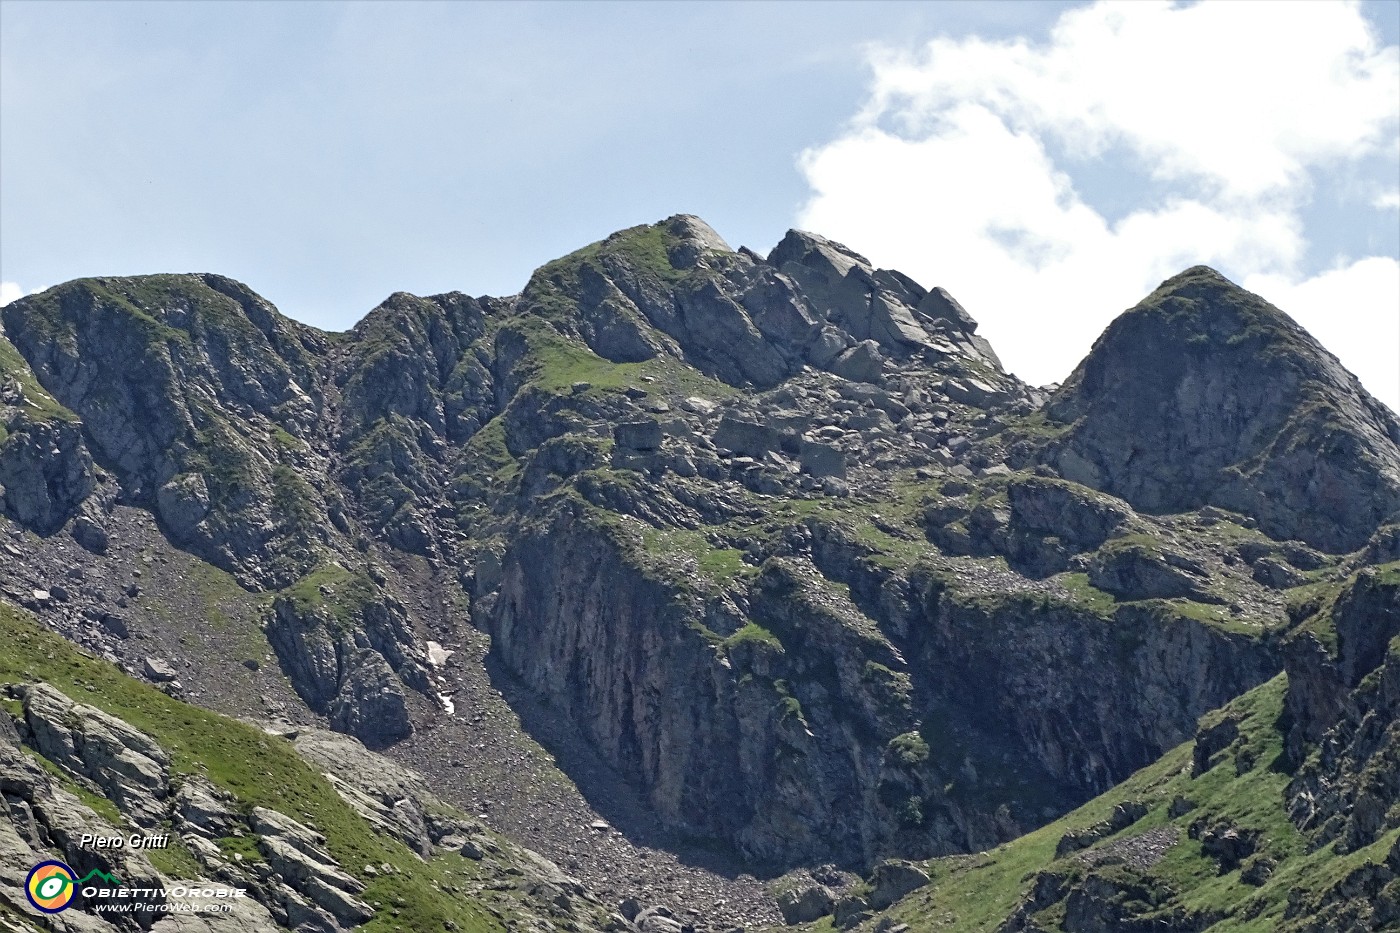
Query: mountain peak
<point x="692" y="228"/>
<point x="1204" y="392"/>
<point x="817" y="252"/>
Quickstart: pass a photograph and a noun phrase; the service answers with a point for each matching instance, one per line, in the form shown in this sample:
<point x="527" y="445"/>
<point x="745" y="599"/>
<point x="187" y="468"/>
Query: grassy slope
<point x="261" y="770"/>
<point x="978" y="892"/>
<point x="39" y="404"/>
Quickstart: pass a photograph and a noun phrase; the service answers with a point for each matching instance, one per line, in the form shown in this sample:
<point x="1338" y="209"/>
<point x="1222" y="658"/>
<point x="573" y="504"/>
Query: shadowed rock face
<point x="1206" y="394"/>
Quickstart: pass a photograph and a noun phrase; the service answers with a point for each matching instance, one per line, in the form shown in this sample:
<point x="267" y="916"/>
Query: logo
<point x="50" y="886"/>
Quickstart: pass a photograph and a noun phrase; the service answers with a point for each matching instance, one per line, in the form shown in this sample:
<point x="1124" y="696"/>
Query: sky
<point x="1047" y="163"/>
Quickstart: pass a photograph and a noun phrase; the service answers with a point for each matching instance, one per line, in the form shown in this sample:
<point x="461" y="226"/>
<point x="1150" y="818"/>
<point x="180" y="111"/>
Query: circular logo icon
<point x="50" y="886"/>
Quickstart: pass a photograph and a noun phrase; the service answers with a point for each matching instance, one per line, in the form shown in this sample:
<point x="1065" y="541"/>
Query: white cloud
<point x="9" y="291"/>
<point x="1354" y="310"/>
<point x="1387" y="201"/>
<point x="1242" y="96"/>
<point x="948" y="172"/>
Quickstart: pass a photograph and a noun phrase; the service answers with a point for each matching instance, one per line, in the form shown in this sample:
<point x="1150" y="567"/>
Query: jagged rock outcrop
<point x="132" y="770"/>
<point x="102" y="777"/>
<point x="46" y="471"/>
<point x="199" y="396"/>
<point x="1206" y="394"/>
<point x="1348" y="707"/>
<point x="350" y="652"/>
<point x="677" y="289"/>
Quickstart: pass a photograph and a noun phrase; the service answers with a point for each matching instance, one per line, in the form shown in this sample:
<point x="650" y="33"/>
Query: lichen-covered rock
<point x="1143" y="571"/>
<point x="806" y="903"/>
<point x="129" y="766"/>
<point x="349" y="650"/>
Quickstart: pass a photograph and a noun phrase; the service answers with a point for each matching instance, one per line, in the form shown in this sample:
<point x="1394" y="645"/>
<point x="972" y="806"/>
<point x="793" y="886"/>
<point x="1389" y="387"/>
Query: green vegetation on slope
<point x="39" y="404"/>
<point x="260" y="770"/>
<point x="340" y="593"/>
<point x="1244" y="788"/>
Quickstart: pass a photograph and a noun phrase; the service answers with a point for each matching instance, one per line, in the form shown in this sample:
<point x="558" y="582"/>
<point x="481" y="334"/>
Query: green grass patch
<point x="716" y="564"/>
<point x="978" y="892"/>
<point x="285" y="440"/>
<point x="240" y="848"/>
<point x="1085" y="595"/>
<point x="39" y="404"/>
<point x="332" y="591"/>
<point x="909" y="749"/>
<point x="94" y="802"/>
<point x="175" y="860"/>
<point x="486" y="451"/>
<point x="753" y="634"/>
<point x="257" y="768"/>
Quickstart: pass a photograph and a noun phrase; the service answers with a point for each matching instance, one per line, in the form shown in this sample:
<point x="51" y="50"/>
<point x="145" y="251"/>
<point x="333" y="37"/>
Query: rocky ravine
<point x="769" y="547"/>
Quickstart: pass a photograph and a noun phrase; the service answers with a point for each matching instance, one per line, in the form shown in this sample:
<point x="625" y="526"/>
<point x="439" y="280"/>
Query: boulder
<point x="638" y="435"/>
<point x="1141" y="571"/>
<point x="850" y="911"/>
<point x="861" y="363"/>
<point x="805" y="903"/>
<point x="940" y="305"/>
<point x="1276" y="574"/>
<point x="822" y="460"/>
<point x="829" y="343"/>
<point x="90" y="535"/>
<point x="183" y="503"/>
<point x="746" y="438"/>
<point x="371" y="704"/>
<point x="1074" y="514"/>
<point x="974" y="392"/>
<point x="657" y="920"/>
<point x="894" y="879"/>
<point x="114" y="625"/>
<point x="158" y="670"/>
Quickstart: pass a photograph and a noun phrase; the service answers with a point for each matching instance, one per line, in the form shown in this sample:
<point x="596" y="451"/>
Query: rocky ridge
<point x="756" y="531"/>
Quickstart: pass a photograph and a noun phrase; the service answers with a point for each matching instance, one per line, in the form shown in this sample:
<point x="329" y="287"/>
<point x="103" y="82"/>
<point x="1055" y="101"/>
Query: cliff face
<point x="802" y="567"/>
<point x="768" y="730"/>
<point x="1280" y="812"/>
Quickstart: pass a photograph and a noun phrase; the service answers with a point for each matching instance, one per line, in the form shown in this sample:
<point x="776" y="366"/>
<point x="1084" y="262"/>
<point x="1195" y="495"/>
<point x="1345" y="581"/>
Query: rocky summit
<point x="693" y="590"/>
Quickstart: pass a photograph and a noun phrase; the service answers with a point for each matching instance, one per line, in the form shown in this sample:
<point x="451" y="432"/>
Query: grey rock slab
<point x="861" y="363"/>
<point x="894" y="879"/>
<point x="158" y="670"/>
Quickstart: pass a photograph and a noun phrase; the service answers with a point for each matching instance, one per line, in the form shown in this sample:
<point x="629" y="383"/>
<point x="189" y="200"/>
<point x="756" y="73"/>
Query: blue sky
<point x="1046" y="162"/>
